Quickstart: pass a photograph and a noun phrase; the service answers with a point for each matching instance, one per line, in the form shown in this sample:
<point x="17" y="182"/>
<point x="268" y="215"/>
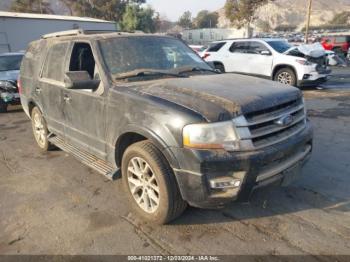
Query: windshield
<point x="12" y="62"/>
<point x="279" y="46"/>
<point x="129" y="54"/>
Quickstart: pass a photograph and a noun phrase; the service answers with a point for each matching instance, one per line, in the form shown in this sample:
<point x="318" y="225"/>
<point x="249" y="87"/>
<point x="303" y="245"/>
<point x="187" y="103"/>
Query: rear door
<point x="84" y="110"/>
<point x="49" y="89"/>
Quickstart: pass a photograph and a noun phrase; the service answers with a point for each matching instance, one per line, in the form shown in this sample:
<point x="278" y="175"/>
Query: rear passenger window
<point x="54" y="63"/>
<point x="216" y="47"/>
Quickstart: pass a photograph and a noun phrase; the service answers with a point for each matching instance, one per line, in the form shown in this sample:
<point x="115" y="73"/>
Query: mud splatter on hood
<point x="218" y="97"/>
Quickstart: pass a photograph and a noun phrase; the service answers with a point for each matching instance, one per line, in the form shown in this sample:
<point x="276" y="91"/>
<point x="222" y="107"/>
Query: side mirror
<point x="265" y="52"/>
<point x="80" y="80"/>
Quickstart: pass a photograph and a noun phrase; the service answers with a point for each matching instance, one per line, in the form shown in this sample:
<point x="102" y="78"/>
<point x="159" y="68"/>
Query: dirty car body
<point x="223" y="135"/>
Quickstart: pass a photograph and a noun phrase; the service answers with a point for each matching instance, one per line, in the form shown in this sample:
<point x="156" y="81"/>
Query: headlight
<point x="211" y="136"/>
<point x="303" y="62"/>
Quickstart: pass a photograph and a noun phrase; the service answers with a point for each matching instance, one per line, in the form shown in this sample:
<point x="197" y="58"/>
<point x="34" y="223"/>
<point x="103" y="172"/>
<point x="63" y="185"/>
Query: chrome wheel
<point x="143" y="184"/>
<point x="39" y="129"/>
<point x="285" y="78"/>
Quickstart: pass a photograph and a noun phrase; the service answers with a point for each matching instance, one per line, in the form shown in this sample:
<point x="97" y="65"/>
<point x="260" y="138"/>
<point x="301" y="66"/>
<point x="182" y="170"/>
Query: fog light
<point x="222" y="183"/>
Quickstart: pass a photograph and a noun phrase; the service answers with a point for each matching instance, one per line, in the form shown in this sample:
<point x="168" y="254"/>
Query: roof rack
<point x="76" y="32"/>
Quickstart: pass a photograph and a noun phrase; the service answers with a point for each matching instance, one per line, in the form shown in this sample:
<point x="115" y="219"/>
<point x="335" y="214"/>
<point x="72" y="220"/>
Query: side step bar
<point x="86" y="158"/>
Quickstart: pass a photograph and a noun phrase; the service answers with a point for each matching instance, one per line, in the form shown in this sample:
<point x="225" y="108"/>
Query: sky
<point x="173" y="9"/>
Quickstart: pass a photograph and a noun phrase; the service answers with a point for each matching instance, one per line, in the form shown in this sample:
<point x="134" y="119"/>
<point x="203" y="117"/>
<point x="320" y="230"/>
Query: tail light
<point x="19" y="85"/>
<point x="206" y="55"/>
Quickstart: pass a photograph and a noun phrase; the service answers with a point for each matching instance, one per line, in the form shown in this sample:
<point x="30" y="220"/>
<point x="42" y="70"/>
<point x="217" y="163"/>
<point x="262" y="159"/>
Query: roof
<point x="250" y="39"/>
<point x="51" y="17"/>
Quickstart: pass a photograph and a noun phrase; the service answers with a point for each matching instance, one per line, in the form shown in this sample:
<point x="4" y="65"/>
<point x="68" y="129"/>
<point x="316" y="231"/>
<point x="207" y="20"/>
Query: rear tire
<point x="3" y="106"/>
<point x="150" y="184"/>
<point x="286" y="76"/>
<point x="220" y="67"/>
<point x="40" y="130"/>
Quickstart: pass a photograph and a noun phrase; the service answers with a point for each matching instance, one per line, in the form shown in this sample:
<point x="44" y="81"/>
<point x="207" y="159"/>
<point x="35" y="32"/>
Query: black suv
<point x="149" y="109"/>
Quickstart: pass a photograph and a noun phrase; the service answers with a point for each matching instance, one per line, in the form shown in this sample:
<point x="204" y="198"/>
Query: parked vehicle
<point x="197" y="48"/>
<point x="336" y="43"/>
<point x="147" y="108"/>
<point x="274" y="59"/>
<point x="9" y="70"/>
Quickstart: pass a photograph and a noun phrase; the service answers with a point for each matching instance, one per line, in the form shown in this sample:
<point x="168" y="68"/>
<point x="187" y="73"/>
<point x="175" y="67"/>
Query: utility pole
<point x="308" y="22"/>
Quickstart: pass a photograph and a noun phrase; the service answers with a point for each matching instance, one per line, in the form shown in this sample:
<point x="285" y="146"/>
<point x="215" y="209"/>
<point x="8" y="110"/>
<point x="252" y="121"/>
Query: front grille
<point x="267" y="127"/>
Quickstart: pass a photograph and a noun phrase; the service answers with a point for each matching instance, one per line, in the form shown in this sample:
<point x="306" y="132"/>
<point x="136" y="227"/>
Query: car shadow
<point x="264" y="203"/>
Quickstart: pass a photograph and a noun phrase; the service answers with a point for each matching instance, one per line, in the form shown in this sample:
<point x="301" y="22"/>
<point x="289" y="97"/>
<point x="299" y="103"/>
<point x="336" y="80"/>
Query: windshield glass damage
<point x="142" y="55"/>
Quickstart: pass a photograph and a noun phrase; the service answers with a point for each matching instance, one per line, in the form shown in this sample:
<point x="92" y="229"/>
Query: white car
<point x="274" y="59"/>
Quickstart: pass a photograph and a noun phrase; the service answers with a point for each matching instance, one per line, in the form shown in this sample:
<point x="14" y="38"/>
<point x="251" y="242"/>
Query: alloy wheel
<point x="143" y="184"/>
<point x="285" y="78"/>
<point x="39" y="129"/>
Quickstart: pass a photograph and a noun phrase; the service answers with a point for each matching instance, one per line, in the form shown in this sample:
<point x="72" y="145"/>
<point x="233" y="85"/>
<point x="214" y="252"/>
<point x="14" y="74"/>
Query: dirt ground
<point x="52" y="204"/>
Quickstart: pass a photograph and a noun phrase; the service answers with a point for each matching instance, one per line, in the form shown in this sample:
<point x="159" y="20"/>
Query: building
<point x="19" y="29"/>
<point x="207" y="35"/>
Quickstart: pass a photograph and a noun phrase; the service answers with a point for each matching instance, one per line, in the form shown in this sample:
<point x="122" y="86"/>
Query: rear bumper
<point x="279" y="164"/>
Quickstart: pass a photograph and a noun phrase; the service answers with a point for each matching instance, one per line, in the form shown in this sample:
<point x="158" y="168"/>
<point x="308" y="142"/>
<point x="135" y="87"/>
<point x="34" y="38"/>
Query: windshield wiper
<point x="146" y="72"/>
<point x="197" y="69"/>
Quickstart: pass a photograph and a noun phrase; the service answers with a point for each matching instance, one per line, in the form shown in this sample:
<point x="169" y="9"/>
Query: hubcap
<point x="285" y="78"/>
<point x="39" y="130"/>
<point x="143" y="185"/>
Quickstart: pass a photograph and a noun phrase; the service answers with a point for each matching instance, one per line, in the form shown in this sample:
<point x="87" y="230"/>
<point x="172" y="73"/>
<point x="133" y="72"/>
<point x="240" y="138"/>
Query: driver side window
<point x="82" y="59"/>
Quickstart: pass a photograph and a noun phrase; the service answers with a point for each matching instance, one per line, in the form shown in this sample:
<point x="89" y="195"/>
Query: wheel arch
<point x="280" y="66"/>
<point x="133" y="135"/>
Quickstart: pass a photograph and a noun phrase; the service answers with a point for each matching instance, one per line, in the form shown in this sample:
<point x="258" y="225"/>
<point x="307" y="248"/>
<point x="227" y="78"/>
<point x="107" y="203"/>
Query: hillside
<point x="293" y="12"/>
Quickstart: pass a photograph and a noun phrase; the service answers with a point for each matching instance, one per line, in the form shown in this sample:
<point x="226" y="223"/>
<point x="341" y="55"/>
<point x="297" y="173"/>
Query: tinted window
<point x="54" y="64"/>
<point x="256" y="48"/>
<point x="126" y="54"/>
<point x="279" y="46"/>
<point x="215" y="47"/>
<point x="12" y="62"/>
<point x="240" y="47"/>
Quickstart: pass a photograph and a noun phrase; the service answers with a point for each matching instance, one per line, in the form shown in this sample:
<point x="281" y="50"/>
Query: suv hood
<point x="218" y="97"/>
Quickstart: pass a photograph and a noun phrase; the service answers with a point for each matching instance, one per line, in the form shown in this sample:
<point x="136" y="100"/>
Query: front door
<point x="85" y="109"/>
<point x="259" y="59"/>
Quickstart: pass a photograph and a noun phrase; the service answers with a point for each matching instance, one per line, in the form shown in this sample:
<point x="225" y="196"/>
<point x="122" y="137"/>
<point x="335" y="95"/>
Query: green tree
<point x="112" y="10"/>
<point x="185" y="20"/>
<point x="242" y="12"/>
<point x="206" y="19"/>
<point x="31" y="6"/>
<point x="139" y="18"/>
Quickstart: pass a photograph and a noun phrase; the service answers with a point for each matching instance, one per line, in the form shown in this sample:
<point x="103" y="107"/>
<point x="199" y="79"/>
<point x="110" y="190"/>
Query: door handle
<point x="38" y="90"/>
<point x="66" y="98"/>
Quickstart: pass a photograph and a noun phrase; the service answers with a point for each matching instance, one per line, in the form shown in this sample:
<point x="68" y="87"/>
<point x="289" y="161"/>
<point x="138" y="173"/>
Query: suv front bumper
<point x="280" y="164"/>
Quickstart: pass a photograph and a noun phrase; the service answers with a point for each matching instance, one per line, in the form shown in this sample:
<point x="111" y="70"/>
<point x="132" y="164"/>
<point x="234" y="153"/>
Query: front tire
<point x="150" y="184"/>
<point x="40" y="130"/>
<point x="286" y="76"/>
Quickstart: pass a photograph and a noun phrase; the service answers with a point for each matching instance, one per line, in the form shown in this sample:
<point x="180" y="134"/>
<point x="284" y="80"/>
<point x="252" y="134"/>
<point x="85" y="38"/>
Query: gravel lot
<point x="52" y="204"/>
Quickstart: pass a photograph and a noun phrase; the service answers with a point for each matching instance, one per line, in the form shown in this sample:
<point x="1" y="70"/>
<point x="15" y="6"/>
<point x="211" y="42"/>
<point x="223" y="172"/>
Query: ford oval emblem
<point x="284" y="120"/>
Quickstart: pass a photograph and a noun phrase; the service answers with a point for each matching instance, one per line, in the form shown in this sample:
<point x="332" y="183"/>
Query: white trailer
<point x="19" y="29"/>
